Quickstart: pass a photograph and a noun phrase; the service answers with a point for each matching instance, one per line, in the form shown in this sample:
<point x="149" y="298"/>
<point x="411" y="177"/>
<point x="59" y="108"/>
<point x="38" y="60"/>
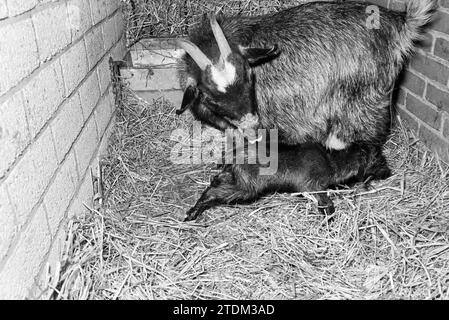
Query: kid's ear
<point x="257" y="56"/>
<point x="191" y="94"/>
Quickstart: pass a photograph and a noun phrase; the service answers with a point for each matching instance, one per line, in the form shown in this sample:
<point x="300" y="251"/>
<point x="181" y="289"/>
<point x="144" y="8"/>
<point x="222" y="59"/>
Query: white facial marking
<point x="223" y="77"/>
<point x="333" y="142"/>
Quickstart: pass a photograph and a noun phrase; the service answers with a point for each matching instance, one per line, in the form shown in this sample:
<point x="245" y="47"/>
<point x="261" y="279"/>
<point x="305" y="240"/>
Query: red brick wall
<point x="56" y="111"/>
<point x="423" y="97"/>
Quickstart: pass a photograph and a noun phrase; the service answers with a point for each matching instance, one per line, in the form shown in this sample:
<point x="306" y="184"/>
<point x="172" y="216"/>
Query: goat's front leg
<point x="325" y="204"/>
<point x="223" y="190"/>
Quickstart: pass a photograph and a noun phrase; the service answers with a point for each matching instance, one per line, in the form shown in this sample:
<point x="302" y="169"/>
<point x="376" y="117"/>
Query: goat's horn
<point x="197" y="55"/>
<point x="223" y="45"/>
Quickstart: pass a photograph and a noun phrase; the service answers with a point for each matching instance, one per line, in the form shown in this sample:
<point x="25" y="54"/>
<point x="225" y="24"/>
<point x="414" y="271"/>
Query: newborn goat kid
<point x="302" y="168"/>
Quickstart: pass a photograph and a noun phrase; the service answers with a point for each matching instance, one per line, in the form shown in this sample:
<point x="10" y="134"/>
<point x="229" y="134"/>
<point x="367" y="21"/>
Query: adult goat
<point x="317" y="72"/>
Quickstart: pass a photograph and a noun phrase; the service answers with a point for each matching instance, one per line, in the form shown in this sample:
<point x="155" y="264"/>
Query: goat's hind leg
<point x="223" y="190"/>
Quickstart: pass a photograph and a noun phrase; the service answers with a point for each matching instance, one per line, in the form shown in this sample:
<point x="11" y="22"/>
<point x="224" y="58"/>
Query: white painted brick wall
<point x="43" y="94"/>
<point x="85" y="145"/>
<point x="82" y="198"/>
<point x="53" y="96"/>
<point x="95" y="46"/>
<point x="80" y="18"/>
<point x="67" y="125"/>
<point x="104" y="74"/>
<point x="7" y="223"/>
<point x="55" y="19"/>
<point x="99" y="9"/>
<point x="60" y="193"/>
<point x="28" y="180"/>
<point x="103" y="114"/>
<point x="20" y="6"/>
<point x="18" y="274"/>
<point x="18" y="52"/>
<point x="90" y="93"/>
<point x="109" y="37"/>
<point x="74" y="66"/>
<point x="14" y="135"/>
<point x="3" y="9"/>
<point x="119" y="26"/>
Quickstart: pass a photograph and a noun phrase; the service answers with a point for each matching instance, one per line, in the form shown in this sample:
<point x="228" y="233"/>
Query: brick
<point x="426" y="43"/>
<point x="442" y="48"/>
<point x="3" y="9"/>
<point x="382" y="3"/>
<point x="60" y="193"/>
<point x="52" y="31"/>
<point x="103" y="114"/>
<point x="112" y="5"/>
<point x="99" y="10"/>
<point x="7" y="223"/>
<point x="397" y="6"/>
<point x="414" y="83"/>
<point x="50" y="267"/>
<point x="90" y="93"/>
<point x="30" y="177"/>
<point x="119" y="50"/>
<point x="67" y="125"/>
<point x="17" y="276"/>
<point x="14" y="135"/>
<point x="430" y="68"/>
<point x="399" y="96"/>
<point x="18" y="52"/>
<point x="103" y="149"/>
<point x="43" y="95"/>
<point x="82" y="199"/>
<point x="109" y="33"/>
<point x="408" y="120"/>
<point x="440" y="22"/>
<point x="423" y="111"/>
<point x="17" y="7"/>
<point x="74" y="66"/>
<point x="438" y="97"/>
<point x="446" y="128"/>
<point x="119" y="25"/>
<point x="432" y="139"/>
<point x="80" y="19"/>
<point x="85" y="146"/>
<point x="95" y="46"/>
<point x="104" y="74"/>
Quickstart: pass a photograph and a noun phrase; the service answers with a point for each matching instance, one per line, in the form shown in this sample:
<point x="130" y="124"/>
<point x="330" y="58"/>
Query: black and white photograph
<point x="224" y="156"/>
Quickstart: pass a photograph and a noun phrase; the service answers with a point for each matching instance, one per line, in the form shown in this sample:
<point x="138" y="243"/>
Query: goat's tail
<point x="418" y="14"/>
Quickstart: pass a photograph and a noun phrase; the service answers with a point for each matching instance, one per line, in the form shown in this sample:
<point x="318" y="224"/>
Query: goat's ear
<point x="191" y="94"/>
<point x="256" y="56"/>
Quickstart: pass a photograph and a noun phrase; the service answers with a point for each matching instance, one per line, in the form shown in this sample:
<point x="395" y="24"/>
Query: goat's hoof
<point x="188" y="218"/>
<point x="191" y="215"/>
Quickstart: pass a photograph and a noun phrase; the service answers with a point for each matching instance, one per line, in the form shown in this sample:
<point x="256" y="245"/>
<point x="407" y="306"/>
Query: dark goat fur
<point x="331" y="77"/>
<point x="301" y="168"/>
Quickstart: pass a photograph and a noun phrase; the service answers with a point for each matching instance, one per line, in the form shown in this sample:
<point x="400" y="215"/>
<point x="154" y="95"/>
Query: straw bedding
<point x="385" y="241"/>
<point x="165" y="18"/>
